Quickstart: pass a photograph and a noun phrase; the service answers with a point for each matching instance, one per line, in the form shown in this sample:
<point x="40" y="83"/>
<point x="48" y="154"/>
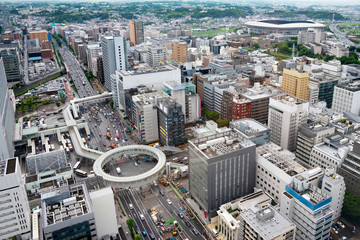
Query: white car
<point x="168" y="201"/>
<point x="131" y="206"/>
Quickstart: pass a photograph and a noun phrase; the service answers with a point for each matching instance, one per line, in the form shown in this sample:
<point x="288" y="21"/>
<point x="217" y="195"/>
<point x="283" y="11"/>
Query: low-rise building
<point x="252" y="130"/>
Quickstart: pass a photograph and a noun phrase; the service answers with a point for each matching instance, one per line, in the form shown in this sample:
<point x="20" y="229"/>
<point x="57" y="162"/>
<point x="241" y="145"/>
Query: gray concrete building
<point x="11" y="63"/>
<point x="309" y="135"/>
<point x="222" y="168"/>
<point x="252" y="130"/>
<point x="7" y="117"/>
<point x="67" y="213"/>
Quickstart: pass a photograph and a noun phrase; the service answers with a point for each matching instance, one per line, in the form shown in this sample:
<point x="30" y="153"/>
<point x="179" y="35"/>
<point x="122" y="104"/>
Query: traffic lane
<point x="136" y="213"/>
<point x="174" y="213"/>
<point x="125" y="203"/>
<point x="151" y="226"/>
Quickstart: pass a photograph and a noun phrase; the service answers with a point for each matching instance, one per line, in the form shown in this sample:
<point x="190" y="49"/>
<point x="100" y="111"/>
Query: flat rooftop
<point x="268" y="222"/>
<point x="145" y="70"/>
<point x="221" y="143"/>
<point x="281" y="158"/>
<point x="249" y="126"/>
<point x="289" y="100"/>
<point x="353" y="86"/>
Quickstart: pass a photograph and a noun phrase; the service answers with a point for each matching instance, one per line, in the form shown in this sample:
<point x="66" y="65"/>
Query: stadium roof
<point x="284" y="24"/>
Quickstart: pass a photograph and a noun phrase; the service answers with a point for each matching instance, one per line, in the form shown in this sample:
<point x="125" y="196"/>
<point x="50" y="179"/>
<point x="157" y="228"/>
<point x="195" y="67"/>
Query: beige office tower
<point x="296" y="83"/>
<point x="136" y="32"/>
<point x="180" y="51"/>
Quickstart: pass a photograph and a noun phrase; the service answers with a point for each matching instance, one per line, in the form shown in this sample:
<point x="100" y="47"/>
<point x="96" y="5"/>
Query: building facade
<point x="180" y="51"/>
<point x="7" y="117"/>
<point x="222" y="168"/>
<point x="136" y="32"/>
<point x="286" y="114"/>
<point x="171" y="120"/>
<point x="14" y="206"/>
<point x="296" y="84"/>
<point x="156" y="56"/>
<point x="11" y="62"/>
<point x="347" y="97"/>
<point x="252" y="130"/>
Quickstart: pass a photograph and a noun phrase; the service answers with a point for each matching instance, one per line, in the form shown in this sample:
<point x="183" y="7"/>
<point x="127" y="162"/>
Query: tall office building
<point x="7" y="117"/>
<point x="67" y="213"/>
<point x="171" y="122"/>
<point x="136" y="32"/>
<point x="222" y="169"/>
<point x="347" y="97"/>
<point x="180" y="51"/>
<point x="309" y="208"/>
<point x="286" y="114"/>
<point x="296" y="84"/>
<point x="114" y="58"/>
<point x="11" y="63"/>
<point x="14" y="206"/>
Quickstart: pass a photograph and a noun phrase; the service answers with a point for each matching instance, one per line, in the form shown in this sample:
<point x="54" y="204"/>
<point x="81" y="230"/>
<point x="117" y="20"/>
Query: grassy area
<point x="47" y="79"/>
<point x="213" y="31"/>
<point x="279" y="56"/>
<point x="33" y="106"/>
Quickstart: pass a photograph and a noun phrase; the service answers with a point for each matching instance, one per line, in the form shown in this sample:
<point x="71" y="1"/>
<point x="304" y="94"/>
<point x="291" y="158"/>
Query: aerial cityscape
<point x="179" y="120"/>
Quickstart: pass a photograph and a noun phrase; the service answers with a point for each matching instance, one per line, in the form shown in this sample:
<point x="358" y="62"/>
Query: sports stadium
<point x="281" y="26"/>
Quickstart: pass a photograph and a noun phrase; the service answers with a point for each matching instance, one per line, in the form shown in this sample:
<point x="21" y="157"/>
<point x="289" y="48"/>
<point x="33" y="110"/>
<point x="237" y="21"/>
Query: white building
<point x="114" y="57"/>
<point x="330" y="153"/>
<point x="276" y="168"/>
<point x="156" y="55"/>
<point x="266" y="224"/>
<point x="308" y="208"/>
<point x="7" y="117"/>
<point x="334" y="185"/>
<point x="93" y="51"/>
<point x="228" y="222"/>
<point x="347" y="97"/>
<point x="286" y="114"/>
<point x="104" y="211"/>
<point x="145" y="115"/>
<point x="14" y="207"/>
<point x="149" y="77"/>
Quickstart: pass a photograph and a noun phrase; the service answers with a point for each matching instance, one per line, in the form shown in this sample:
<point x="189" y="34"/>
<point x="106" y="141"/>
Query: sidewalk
<point x="121" y="218"/>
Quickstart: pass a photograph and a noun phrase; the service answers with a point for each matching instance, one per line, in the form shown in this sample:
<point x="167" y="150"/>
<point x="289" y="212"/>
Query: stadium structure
<point x="281" y="26"/>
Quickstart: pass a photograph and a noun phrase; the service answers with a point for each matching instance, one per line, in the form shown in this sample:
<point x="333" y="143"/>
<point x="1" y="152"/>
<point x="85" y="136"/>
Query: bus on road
<point x="77" y="165"/>
<point x="80" y="173"/>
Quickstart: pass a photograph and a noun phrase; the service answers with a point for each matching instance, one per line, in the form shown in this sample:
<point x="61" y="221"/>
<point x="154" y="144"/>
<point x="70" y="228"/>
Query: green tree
<point x="352" y="48"/>
<point x="212" y="115"/>
<point x="112" y="104"/>
<point x="131" y="223"/>
<point x="223" y="122"/>
<point x="62" y="96"/>
<point x="351" y="205"/>
<point x="137" y="237"/>
<point x="29" y="101"/>
<point x="256" y="46"/>
<point x="58" y="104"/>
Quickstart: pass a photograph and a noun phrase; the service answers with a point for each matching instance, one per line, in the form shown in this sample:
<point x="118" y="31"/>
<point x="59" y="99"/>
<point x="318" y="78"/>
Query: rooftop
<point x="268" y="222"/>
<point x="311" y="129"/>
<point x="149" y="97"/>
<point x="352" y="86"/>
<point x="288" y="100"/>
<point x="221" y="143"/>
<point x="249" y="126"/>
<point x="64" y="204"/>
<point x="146" y="69"/>
<point x="258" y="92"/>
<point x="281" y="158"/>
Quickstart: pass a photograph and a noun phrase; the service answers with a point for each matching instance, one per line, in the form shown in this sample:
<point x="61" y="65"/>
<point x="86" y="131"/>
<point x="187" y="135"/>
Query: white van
<point x="215" y="232"/>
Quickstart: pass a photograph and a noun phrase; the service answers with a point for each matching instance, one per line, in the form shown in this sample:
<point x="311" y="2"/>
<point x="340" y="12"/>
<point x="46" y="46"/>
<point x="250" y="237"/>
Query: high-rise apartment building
<point x="171" y="122"/>
<point x="310" y="135"/>
<point x="241" y="108"/>
<point x="7" y="117"/>
<point x="222" y="168"/>
<point x="156" y="56"/>
<point x="93" y="51"/>
<point x="180" y="51"/>
<point x="41" y="35"/>
<point x="67" y="213"/>
<point x="266" y="224"/>
<point x="286" y="114"/>
<point x="334" y="185"/>
<point x="114" y="58"/>
<point x="308" y="208"/>
<point x="347" y="97"/>
<point x="311" y="36"/>
<point x="350" y="169"/>
<point x="136" y="32"/>
<point x="145" y="115"/>
<point x="296" y="84"/>
<point x="11" y="63"/>
<point x="14" y="206"/>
